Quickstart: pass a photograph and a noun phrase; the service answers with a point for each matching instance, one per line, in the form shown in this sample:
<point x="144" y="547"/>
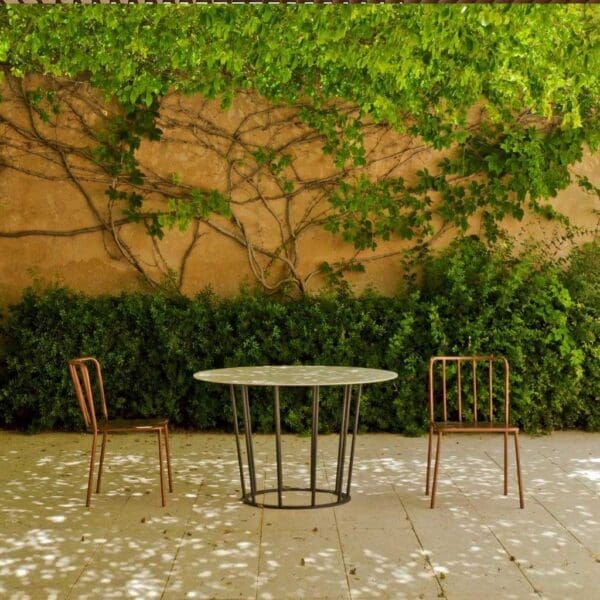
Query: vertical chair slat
<point x="459" y="384"/>
<point x="475" y="390"/>
<point x="444" y="398"/>
<point x="87" y="386"/>
<point x="79" y="394"/>
<point x="506" y="393"/>
<point x="431" y="405"/>
<point x="491" y="385"/>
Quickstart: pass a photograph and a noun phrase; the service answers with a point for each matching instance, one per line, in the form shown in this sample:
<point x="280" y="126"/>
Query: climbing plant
<point x="425" y="117"/>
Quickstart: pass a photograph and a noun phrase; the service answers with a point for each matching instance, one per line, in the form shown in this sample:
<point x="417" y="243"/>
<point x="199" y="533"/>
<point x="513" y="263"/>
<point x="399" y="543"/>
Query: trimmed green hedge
<point x="543" y="318"/>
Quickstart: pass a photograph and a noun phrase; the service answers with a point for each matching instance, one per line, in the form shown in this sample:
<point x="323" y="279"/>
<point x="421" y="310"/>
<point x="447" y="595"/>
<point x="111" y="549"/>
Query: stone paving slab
<point x="385" y="543"/>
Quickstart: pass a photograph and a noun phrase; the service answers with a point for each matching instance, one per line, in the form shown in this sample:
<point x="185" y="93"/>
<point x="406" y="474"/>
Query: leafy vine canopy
<point x="354" y="124"/>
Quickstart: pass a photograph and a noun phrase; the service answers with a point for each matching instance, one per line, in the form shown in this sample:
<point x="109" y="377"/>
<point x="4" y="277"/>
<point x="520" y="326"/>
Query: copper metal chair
<point x="446" y="390"/>
<point x="82" y="382"/>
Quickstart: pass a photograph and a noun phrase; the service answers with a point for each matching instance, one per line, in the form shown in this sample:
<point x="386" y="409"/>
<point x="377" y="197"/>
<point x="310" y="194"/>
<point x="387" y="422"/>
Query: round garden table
<point x="350" y="378"/>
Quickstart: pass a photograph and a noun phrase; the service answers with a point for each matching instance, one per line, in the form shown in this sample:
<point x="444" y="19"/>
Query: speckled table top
<point x="295" y="375"/>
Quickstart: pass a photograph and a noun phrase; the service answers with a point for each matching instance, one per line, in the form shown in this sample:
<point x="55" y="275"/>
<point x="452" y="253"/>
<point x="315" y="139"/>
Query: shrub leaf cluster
<point x="543" y="316"/>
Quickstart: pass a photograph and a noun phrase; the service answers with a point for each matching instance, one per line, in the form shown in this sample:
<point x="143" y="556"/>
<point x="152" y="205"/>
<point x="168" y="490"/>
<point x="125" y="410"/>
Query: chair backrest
<point x="82" y="382"/>
<point x="465" y="388"/>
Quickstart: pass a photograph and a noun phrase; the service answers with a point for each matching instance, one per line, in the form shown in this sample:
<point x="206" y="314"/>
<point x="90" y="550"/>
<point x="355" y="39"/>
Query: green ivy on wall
<point x="511" y="93"/>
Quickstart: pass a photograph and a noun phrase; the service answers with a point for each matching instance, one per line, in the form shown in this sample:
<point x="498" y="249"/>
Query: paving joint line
<point x="339" y="536"/>
<point x="83" y="569"/>
<point x="260" y="536"/>
<point x="323" y="462"/>
<point x="588" y="550"/>
<point x="581" y="481"/>
<point x="427" y="557"/>
<point x="500" y="543"/>
<point x="91" y="558"/>
<point x="474" y="508"/>
<point x="180" y="544"/>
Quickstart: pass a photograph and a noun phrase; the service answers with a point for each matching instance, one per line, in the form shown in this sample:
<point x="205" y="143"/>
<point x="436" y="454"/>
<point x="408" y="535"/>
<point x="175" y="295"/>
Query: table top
<point x="295" y="375"/>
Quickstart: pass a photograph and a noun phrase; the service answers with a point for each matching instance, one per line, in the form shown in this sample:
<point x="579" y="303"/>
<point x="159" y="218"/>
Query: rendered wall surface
<point x="42" y="204"/>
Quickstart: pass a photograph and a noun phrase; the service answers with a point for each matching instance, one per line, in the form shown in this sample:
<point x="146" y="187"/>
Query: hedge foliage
<point x="543" y="316"/>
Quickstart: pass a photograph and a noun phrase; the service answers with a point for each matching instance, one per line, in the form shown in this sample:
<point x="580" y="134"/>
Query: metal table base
<point x="251" y="494"/>
<point x="315" y="495"/>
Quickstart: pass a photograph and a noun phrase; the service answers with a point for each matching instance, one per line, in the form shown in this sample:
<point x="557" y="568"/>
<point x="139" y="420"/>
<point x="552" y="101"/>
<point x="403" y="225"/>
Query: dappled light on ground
<point x="385" y="543"/>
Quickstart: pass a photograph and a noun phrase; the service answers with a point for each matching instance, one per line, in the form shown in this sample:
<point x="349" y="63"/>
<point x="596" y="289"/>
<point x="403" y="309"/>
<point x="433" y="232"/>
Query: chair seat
<point x="471" y="427"/>
<point x="115" y="425"/>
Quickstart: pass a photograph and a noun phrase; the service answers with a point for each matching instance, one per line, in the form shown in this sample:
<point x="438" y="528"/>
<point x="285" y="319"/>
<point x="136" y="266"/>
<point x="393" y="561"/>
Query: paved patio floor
<point x="385" y="543"/>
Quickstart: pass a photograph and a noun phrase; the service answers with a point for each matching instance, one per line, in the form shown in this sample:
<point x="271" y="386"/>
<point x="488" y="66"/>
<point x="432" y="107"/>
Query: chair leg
<point x="88" y="499"/>
<point x="505" y="463"/>
<point x="102" y="451"/>
<point x="518" y="461"/>
<point x="160" y="466"/>
<point x="436" y="468"/>
<point x="168" y="452"/>
<point x="428" y="461"/>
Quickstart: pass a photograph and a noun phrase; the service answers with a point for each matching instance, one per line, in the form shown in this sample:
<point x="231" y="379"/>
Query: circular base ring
<point x="343" y="498"/>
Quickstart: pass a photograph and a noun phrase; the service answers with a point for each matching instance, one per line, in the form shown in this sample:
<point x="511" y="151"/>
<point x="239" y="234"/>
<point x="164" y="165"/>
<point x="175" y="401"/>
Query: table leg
<point x="313" y="445"/>
<point x="339" y="480"/>
<point x="354" y="434"/>
<point x="249" y="445"/>
<point x="236" y="429"/>
<point x="278" y="447"/>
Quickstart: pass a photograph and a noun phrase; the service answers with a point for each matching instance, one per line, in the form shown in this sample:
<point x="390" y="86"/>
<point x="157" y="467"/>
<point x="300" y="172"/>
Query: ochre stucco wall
<point x="91" y="262"/>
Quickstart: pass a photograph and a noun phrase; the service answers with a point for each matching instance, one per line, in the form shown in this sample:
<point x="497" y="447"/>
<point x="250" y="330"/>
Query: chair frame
<point x="475" y="426"/>
<point x="78" y="369"/>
